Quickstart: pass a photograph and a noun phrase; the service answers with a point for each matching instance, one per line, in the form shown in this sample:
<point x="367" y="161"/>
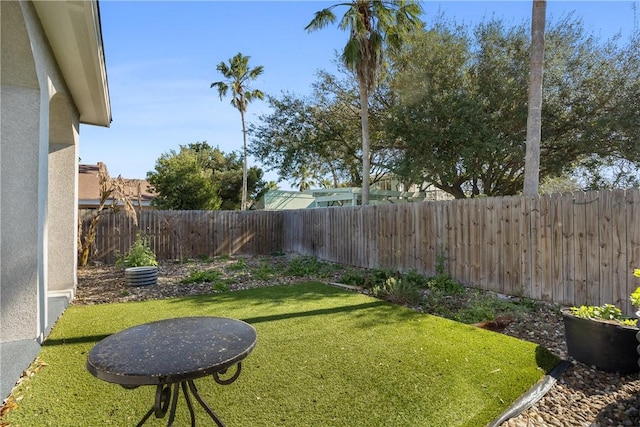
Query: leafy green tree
<point x="320" y="133"/>
<point x="238" y="75"/>
<point x="200" y="177"/>
<point x="459" y="118"/>
<point x="371" y="25"/>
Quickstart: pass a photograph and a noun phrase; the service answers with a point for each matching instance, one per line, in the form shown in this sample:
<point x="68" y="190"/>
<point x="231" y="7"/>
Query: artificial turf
<point x="324" y="357"/>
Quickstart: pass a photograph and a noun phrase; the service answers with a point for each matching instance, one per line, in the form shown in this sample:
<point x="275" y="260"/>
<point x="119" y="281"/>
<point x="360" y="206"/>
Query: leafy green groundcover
<point x="325" y="357"/>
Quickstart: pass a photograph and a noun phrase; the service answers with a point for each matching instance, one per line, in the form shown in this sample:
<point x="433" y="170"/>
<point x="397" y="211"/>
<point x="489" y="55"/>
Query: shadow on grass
<point x="319" y="312"/>
<point x="291" y="298"/>
<point x="74" y="340"/>
<point x="545" y="359"/>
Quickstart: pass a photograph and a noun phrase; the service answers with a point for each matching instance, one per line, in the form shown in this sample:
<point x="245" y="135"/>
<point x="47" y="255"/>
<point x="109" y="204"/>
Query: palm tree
<point x="238" y="75"/>
<point x="372" y="25"/>
<point x="534" y="116"/>
<point x="303" y="178"/>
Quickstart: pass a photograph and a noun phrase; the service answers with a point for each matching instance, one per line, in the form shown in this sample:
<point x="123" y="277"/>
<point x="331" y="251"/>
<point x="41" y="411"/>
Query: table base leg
<point x="166" y="398"/>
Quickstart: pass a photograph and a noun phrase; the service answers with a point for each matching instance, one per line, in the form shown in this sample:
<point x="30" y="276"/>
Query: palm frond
<point x="223" y="88"/>
<point x="255" y="72"/>
<point x="351" y="54"/>
<point x="321" y="19"/>
<point x="256" y="93"/>
<point x="224" y="69"/>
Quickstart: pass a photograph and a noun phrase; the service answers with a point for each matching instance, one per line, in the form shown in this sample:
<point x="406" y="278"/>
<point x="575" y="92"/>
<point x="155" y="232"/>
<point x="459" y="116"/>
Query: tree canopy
<point x="318" y="136"/>
<point x="461" y="110"/>
<point x="451" y="111"/>
<point x="198" y="176"/>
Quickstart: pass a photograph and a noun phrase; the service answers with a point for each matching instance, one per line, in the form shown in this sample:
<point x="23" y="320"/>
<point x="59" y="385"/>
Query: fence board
<point x="568" y="249"/>
<point x="532" y="269"/>
<point x="580" y="272"/>
<point x="516" y="246"/>
<point x="618" y="250"/>
<point x="506" y="260"/>
<point x="557" y="258"/>
<point x="544" y="267"/>
<point x="633" y="244"/>
<point x="475" y="249"/>
<point x="605" y="237"/>
<point x="593" y="285"/>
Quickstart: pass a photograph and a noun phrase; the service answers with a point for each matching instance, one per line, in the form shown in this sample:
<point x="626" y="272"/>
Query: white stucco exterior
<point x="52" y="79"/>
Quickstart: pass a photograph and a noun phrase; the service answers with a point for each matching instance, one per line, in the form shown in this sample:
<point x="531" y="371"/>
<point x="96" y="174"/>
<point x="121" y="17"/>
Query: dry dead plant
<point x="115" y="193"/>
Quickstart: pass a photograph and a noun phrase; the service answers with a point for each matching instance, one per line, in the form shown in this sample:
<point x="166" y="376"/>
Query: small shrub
<point x="381" y="275"/>
<point x="205" y="259"/>
<point x="441" y="263"/>
<point x="202" y="276"/>
<point x="220" y="286"/>
<point x="306" y="266"/>
<point x="418" y="280"/>
<point x="478" y="310"/>
<point x="138" y="255"/>
<point x="264" y="272"/>
<point x="446" y="284"/>
<point x="353" y="278"/>
<point x="240" y="264"/>
<point x="377" y="278"/>
<point x="398" y="291"/>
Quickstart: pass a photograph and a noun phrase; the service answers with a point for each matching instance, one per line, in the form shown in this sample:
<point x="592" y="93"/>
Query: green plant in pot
<point x="141" y="266"/>
<point x="602" y="336"/>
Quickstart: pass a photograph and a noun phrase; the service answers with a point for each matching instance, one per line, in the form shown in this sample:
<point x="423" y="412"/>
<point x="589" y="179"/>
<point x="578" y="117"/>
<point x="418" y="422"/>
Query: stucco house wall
<point x="43" y="102"/>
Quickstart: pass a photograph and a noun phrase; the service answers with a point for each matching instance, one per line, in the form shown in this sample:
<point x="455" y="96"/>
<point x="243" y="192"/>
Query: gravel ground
<point x="582" y="396"/>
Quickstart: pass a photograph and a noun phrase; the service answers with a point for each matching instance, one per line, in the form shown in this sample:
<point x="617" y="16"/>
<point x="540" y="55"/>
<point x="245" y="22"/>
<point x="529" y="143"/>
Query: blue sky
<point x="161" y="59"/>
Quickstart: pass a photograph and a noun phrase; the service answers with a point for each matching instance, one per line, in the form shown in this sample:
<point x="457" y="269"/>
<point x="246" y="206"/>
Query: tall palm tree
<point x="238" y="75"/>
<point x="373" y="26"/>
<point x="534" y="115"/>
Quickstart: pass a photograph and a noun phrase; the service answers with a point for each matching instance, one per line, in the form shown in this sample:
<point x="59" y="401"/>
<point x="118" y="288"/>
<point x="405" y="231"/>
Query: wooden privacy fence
<point x="187" y="234"/>
<point x="574" y="248"/>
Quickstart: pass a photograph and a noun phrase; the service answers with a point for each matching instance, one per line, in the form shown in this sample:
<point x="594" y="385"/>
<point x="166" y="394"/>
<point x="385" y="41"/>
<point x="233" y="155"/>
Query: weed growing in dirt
<point x="239" y="265"/>
<point x="306" y="266"/>
<point x="263" y="272"/>
<point x="205" y="259"/>
<point x="202" y="276"/>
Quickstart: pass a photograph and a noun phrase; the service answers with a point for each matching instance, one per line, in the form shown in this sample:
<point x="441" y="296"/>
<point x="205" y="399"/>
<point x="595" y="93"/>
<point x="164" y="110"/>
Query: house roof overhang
<point x="74" y="32"/>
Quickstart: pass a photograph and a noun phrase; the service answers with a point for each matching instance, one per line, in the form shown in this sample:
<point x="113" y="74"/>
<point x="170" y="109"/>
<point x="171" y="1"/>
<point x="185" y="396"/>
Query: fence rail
<point x="574" y="248"/>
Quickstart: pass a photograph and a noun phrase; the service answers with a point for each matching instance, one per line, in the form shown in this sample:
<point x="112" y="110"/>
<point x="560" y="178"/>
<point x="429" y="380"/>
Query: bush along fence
<point x="574" y="248"/>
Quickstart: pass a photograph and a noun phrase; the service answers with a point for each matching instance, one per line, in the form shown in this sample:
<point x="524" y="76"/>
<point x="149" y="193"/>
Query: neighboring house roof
<point x="73" y="29"/>
<point x="89" y="188"/>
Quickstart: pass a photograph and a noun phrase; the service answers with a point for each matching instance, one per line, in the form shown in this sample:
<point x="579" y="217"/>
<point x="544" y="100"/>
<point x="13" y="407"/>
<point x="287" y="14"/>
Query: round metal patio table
<point x="170" y="354"/>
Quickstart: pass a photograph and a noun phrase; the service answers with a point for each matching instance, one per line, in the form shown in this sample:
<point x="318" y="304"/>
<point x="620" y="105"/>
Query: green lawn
<point x="325" y="357"/>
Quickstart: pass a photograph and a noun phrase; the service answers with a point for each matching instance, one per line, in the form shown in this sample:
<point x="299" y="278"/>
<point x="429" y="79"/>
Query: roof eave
<point x="74" y="32"/>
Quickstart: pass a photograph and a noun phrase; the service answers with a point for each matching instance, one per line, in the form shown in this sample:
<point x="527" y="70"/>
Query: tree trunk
<point x="243" y="203"/>
<point x="89" y="239"/>
<point x="534" y="116"/>
<point x="366" y="157"/>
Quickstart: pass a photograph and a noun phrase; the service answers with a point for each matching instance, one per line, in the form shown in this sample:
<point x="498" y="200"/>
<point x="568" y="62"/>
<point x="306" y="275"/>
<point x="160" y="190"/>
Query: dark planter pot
<point x="141" y="276"/>
<point x="608" y="346"/>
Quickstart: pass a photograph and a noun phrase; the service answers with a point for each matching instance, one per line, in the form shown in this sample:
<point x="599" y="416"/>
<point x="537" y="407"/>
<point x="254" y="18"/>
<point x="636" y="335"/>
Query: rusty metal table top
<point x="171" y="350"/>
